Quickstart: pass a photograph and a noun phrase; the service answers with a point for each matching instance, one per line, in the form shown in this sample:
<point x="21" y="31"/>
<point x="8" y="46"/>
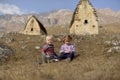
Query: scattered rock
<point x="115" y="49"/>
<point x="5" y="52"/>
<point x="37" y="47"/>
<point x="112" y="43"/>
<point x="107" y="42"/>
<point x="12" y="33"/>
<point x="24" y="47"/>
<point x="58" y="39"/>
<point x="9" y="40"/>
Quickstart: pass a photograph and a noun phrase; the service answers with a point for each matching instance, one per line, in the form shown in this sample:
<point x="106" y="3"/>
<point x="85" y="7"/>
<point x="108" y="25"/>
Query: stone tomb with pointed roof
<point x="34" y="27"/>
<point x="84" y="20"/>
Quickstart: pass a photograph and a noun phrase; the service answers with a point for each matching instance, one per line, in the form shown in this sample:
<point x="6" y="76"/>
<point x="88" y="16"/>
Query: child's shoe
<point x="56" y="60"/>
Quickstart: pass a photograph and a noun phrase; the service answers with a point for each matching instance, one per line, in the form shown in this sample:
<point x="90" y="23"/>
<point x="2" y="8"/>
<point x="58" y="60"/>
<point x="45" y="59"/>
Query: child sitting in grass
<point x="67" y="50"/>
<point x="48" y="50"/>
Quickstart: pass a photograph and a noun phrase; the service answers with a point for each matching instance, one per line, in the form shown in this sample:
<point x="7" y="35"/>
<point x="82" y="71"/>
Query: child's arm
<point x="44" y="49"/>
<point x="61" y="49"/>
<point x="72" y="49"/>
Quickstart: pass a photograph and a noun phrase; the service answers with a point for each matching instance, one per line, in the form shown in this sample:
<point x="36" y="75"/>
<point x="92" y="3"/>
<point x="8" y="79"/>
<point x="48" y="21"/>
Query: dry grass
<point x="91" y="63"/>
<point x="110" y="29"/>
<point x="58" y="30"/>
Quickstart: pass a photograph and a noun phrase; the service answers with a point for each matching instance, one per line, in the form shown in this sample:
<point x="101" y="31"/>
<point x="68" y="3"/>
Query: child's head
<point x="49" y="39"/>
<point x="67" y="39"/>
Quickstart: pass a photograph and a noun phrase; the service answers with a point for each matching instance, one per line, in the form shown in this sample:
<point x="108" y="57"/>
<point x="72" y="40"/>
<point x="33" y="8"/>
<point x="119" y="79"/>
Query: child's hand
<point x="62" y="51"/>
<point x="70" y="51"/>
<point x="47" y="55"/>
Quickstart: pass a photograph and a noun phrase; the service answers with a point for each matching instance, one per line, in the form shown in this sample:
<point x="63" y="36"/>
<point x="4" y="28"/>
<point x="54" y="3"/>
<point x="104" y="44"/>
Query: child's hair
<point x="67" y="38"/>
<point x="49" y="37"/>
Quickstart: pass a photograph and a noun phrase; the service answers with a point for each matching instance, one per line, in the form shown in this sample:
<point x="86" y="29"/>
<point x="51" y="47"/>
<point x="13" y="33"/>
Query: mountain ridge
<point x="60" y="17"/>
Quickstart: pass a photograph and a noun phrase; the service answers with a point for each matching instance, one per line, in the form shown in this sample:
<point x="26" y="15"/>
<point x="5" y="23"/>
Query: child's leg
<point x="70" y="55"/>
<point x="55" y="54"/>
<point x="54" y="57"/>
<point x="44" y="57"/>
<point x="62" y="56"/>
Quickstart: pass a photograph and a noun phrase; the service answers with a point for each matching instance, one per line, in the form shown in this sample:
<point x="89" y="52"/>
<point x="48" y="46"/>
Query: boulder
<point x="5" y="52"/>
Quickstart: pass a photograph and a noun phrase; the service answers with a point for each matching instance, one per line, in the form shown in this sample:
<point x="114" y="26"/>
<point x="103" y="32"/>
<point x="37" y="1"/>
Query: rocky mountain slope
<point x="108" y="16"/>
<point x="54" y="18"/>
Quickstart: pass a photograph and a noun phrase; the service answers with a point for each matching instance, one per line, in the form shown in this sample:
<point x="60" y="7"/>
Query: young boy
<point x="67" y="50"/>
<point x="48" y="50"/>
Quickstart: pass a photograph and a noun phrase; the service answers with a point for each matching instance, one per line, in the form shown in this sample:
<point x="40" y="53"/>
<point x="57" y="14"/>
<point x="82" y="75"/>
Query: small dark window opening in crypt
<point x="76" y="25"/>
<point x="93" y="26"/>
<point x="31" y="29"/>
<point x="86" y="22"/>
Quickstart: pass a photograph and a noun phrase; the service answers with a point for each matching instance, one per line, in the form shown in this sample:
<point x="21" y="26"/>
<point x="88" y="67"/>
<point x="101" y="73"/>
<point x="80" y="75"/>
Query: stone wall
<point x="84" y="19"/>
<point x="34" y="27"/>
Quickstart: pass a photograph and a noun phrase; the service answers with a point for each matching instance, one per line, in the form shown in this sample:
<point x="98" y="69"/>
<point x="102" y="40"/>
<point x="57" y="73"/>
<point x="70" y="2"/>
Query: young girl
<point x="67" y="50"/>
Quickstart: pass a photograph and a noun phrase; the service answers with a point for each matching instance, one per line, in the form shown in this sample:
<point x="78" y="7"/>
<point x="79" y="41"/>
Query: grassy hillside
<point x="92" y="61"/>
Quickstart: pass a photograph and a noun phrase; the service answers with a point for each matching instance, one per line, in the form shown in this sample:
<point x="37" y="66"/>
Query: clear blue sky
<point x="29" y="6"/>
